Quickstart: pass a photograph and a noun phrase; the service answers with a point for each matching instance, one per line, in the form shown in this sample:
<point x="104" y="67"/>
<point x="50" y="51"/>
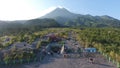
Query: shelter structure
<point x="90" y="50"/>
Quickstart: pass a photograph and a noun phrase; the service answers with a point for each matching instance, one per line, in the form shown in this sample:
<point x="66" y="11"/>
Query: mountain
<point x="60" y="12"/>
<point x="67" y="18"/>
<point x="60" y="15"/>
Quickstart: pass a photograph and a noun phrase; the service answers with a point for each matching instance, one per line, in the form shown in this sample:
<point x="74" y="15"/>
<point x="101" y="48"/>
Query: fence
<point x="111" y="60"/>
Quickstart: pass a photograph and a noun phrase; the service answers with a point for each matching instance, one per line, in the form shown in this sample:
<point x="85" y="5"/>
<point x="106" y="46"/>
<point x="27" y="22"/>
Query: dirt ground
<point x="57" y="61"/>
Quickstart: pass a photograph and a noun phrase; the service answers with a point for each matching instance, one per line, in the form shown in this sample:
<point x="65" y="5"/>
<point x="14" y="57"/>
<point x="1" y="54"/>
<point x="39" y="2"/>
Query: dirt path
<point x="59" y="62"/>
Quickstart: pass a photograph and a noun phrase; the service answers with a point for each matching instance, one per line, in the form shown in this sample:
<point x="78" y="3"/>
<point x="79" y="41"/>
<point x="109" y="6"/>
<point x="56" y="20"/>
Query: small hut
<point x="90" y="50"/>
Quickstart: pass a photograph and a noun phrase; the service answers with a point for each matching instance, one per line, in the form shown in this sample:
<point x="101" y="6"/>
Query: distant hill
<point x="42" y="23"/>
<point x="33" y="24"/>
<point x="67" y="18"/>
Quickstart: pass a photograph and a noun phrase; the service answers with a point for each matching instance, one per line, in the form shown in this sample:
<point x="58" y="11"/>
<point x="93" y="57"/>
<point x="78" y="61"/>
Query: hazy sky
<point x="28" y="9"/>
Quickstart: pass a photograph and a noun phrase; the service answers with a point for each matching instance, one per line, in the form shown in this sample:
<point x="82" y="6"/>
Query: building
<point x="90" y="50"/>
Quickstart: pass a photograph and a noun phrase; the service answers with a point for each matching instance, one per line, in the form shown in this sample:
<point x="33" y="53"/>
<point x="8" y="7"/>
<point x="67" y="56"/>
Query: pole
<point x="109" y="59"/>
<point x="118" y="65"/>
